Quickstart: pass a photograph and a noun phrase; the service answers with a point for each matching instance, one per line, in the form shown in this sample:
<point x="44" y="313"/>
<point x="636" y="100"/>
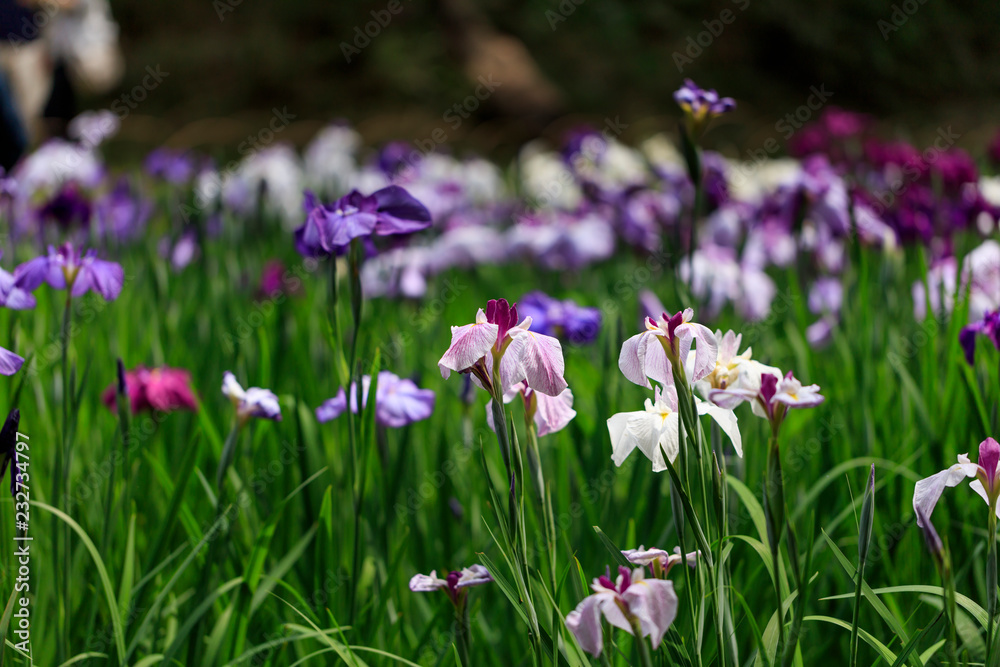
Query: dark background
<point x="229" y="64"/>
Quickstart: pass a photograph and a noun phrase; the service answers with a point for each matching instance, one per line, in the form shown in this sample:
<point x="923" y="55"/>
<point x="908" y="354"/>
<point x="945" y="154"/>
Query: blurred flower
<point x="10" y="363"/>
<point x="700" y="106"/>
<point x="92" y="128"/>
<point x="68" y="208"/>
<point x="928" y="491"/>
<point x="563" y="319"/>
<point x="276" y="280"/>
<point x="252" y="402"/>
<point x="654" y="430"/>
<point x="455" y="584"/>
<point x="67" y="268"/>
<point x="173" y="166"/>
<point x="12" y="296"/>
<point x="398" y="401"/>
<point x="330" y="227"/>
<point x="122" y="213"/>
<point x="159" y="389"/>
<point x="630" y="600"/>
<point x="989" y="326"/>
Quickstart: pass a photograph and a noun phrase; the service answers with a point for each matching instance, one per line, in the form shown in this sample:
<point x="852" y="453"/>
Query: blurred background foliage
<point x="231" y="61"/>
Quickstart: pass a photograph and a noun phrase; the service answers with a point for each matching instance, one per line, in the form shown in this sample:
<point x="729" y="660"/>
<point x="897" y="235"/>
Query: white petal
<point x="928" y="490"/>
<point x="726" y="419"/>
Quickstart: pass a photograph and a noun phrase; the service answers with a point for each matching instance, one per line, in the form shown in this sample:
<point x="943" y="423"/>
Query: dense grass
<point x="273" y="582"/>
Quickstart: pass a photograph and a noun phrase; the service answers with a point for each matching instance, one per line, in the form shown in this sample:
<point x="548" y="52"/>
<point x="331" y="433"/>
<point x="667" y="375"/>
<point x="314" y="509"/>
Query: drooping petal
<point x="669" y="442"/>
<point x="231" y="388"/>
<point x="105" y="278"/>
<point x="399" y="212"/>
<point x="536" y="359"/>
<point x="623" y="439"/>
<point x="706" y="350"/>
<point x="642" y="358"/>
<point x="474" y="575"/>
<point x="726" y="419"/>
<point x="928" y="491"/>
<point x="585" y="624"/>
<point x="728" y="399"/>
<point x="469" y="344"/>
<point x="654" y="602"/>
<point x="10" y="363"/>
<point x="427" y="583"/>
<point x="31" y="274"/>
<point x="553" y="413"/>
<point x="644" y="556"/>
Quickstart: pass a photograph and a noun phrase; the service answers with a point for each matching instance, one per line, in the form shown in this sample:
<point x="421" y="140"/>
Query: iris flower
<point x="563" y="319"/>
<point x="455" y="584"/>
<point x="659" y="561"/>
<point x="550" y="413"/>
<point x="700" y="106"/>
<point x="68" y="268"/>
<point x="652" y="353"/>
<point x="989" y="326"/>
<point x="160" y="389"/>
<point x="987" y="481"/>
<point x="12" y="296"/>
<point x="398" y="401"/>
<point x="773" y="398"/>
<point x="497" y="337"/>
<point x="252" y="402"/>
<point x="654" y="430"/>
<point x="649" y="604"/>
<point x="330" y="227"/>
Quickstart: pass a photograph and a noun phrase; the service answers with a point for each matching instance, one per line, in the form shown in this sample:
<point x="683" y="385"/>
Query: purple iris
<point x="700" y="102"/>
<point x="11" y="296"/>
<point x="398" y="401"/>
<point x="329" y="227"/>
<point x="68" y="208"/>
<point x="121" y="214"/>
<point x="171" y="165"/>
<point x="989" y="326"/>
<point x="562" y="319"/>
<point x="68" y="268"/>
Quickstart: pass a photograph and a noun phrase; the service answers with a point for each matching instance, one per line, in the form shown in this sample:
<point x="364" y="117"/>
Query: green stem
<point x="645" y="658"/>
<point x="64" y="470"/>
<point x="463" y="633"/>
<point x="991" y="578"/>
<point x="774" y="510"/>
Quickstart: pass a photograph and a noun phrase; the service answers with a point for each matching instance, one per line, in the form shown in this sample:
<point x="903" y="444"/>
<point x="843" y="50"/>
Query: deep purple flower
<point x="562" y="319"/>
<point x="173" y="166"/>
<point x="455" y="584"/>
<point x="329" y="227"/>
<point x="68" y="208"/>
<point x="67" y="268"/>
<point x="398" y="401"/>
<point x="989" y="326"/>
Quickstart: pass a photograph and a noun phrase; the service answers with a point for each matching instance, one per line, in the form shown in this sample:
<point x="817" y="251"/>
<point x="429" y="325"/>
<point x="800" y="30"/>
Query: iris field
<point x="182" y="515"/>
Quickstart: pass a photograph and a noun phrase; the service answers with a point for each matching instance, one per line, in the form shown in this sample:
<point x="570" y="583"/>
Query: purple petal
<point x="105" y="278"/>
<point x="399" y="212"/>
<point x="989" y="455"/>
<point x="469" y="344"/>
<point x="31" y="274"/>
<point x="332" y="408"/>
<point x="553" y="413"/>
<point x="10" y="363"/>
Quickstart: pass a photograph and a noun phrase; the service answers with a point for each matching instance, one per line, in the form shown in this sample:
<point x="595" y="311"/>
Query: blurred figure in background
<point x="48" y="51"/>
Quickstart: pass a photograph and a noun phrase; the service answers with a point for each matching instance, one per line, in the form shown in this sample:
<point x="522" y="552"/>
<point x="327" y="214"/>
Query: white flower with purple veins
<point x="629" y="601"/>
<point x="654" y="430"/>
<point x="67" y="268"/>
<point x="660" y="562"/>
<point x="774" y="396"/>
<point x="496" y="336"/>
<point x="987" y="481"/>
<point x="668" y="340"/>
<point x="455" y="585"/>
<point x="252" y="402"/>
